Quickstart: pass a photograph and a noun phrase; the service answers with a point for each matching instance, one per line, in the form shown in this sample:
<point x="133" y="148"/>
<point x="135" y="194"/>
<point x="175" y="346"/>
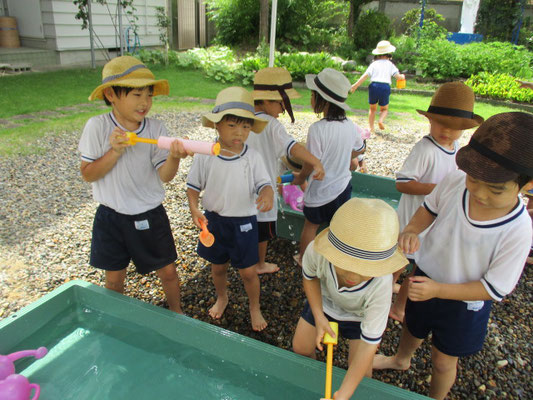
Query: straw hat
<point x="127" y="71"/>
<point x="332" y="85"/>
<point x="235" y="101"/>
<point x="384" y="47"/>
<point x="500" y="150"/>
<point x="293" y="163"/>
<point x="452" y="105"/>
<point x="362" y="238"/>
<point x="275" y="83"/>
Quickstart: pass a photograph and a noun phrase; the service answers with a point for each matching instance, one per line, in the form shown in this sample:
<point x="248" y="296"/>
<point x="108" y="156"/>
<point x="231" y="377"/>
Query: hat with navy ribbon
<point x="235" y="101"/>
<point x="332" y="85"/>
<point x="363" y="238"/>
<point x="127" y="71"/>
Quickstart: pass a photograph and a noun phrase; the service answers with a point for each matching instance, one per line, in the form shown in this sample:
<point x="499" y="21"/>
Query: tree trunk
<point x="351" y="20"/>
<point x="263" y="20"/>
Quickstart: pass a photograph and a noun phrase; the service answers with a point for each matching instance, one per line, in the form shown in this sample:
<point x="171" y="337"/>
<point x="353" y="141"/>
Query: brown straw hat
<point x="500" y="150"/>
<point x="452" y="105"/>
<point x="293" y="163"/>
<point x="127" y="71"/>
<point x="235" y="101"/>
<point x="275" y="83"/>
<point x="362" y="238"/>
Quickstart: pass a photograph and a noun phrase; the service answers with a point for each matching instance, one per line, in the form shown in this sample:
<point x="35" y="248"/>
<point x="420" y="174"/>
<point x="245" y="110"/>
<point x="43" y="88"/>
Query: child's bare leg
<point x="352" y="352"/>
<point x="444" y="373"/>
<point x="308" y="234"/>
<point x="171" y="287"/>
<point x="114" y="280"/>
<point x="303" y="341"/>
<point x="402" y="359"/>
<point x="372" y="116"/>
<point x="397" y="311"/>
<point x="262" y="266"/>
<point x="253" y="288"/>
<point x="383" y="111"/>
<point x="219" y="273"/>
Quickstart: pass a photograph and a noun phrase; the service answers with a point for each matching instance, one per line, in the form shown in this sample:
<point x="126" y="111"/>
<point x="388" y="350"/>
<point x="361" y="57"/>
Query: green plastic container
<point x="290" y="222"/>
<point x="103" y="345"/>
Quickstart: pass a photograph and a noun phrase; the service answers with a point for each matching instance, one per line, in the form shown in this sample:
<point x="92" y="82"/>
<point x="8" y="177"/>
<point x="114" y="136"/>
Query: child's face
<point x="443" y="135"/>
<point x="130" y="109"/>
<point x="273" y="107"/>
<point x="491" y="198"/>
<point x="232" y="135"/>
<point x="348" y="278"/>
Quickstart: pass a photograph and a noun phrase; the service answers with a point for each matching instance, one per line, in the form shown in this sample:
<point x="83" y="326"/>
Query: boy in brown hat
<point x="475" y="249"/>
<point x="433" y="157"/>
<point x="272" y="93"/>
<point x="130" y="222"/>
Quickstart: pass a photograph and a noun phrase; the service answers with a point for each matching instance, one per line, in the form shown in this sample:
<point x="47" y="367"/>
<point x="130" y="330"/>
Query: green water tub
<point x="103" y="345"/>
<point x="290" y="222"/>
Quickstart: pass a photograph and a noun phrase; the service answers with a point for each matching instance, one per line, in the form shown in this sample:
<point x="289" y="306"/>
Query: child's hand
<point x="298" y="179"/>
<point x="422" y="288"/>
<point x="118" y="140"/>
<point x="178" y="151"/>
<point x="352" y="89"/>
<point x="408" y="242"/>
<point x="319" y="172"/>
<point x="197" y="215"/>
<point x="322" y="326"/>
<point x="339" y="396"/>
<point x="265" y="200"/>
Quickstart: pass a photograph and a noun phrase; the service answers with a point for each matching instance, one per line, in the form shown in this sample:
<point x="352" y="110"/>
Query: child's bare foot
<point x="258" y="322"/>
<point x="297" y="259"/>
<point x="381" y="126"/>
<point x="266" y="268"/>
<point x="385" y="362"/>
<point x="218" y="308"/>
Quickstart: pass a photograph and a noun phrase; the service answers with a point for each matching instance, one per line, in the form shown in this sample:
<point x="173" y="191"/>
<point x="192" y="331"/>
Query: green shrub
<point x="496" y="19"/>
<point x="499" y="86"/>
<point x="236" y="21"/>
<point x="371" y="27"/>
<point x="430" y="28"/>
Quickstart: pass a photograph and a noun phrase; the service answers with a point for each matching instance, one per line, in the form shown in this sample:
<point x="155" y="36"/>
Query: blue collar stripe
<point x="359" y="253"/>
<point x="232" y="105"/>
<point x="128" y="71"/>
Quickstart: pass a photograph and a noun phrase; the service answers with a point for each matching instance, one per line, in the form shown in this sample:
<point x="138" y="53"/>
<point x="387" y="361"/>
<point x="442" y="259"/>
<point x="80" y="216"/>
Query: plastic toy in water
<point x="164" y="142"/>
<point x="330" y="341"/>
<point x="400" y="83"/>
<point x="14" y="386"/>
<point x="206" y="237"/>
<point x="366" y="134"/>
<point x="287" y="178"/>
<point x="293" y="196"/>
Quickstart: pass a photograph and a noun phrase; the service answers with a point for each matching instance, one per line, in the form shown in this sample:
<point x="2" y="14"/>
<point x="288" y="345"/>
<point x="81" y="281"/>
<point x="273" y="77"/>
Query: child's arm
<point x="314" y="297"/>
<point x="359" y="81"/>
<point x="168" y="170"/>
<point x="265" y="200"/>
<point x="423" y="288"/>
<point x="193" y="197"/>
<point x="399" y="77"/>
<point x="415" y="187"/>
<point x="361" y="363"/>
<point x="304" y="173"/>
<point x="408" y="240"/>
<point x="301" y="152"/>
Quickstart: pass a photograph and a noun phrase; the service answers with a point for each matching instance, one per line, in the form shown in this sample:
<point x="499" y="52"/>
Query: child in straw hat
<point x="131" y="222"/>
<point x="236" y="185"/>
<point x="450" y="112"/>
<point x="272" y="93"/>
<point x="347" y="278"/>
<point x="475" y="249"/>
<point x="380" y="73"/>
<point x="335" y="140"/>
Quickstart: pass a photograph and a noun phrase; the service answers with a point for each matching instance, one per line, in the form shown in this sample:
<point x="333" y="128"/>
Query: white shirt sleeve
<point x="310" y="262"/>
<point x="442" y="191"/>
<point x="261" y="177"/>
<point x="195" y="178"/>
<point x="283" y="142"/>
<point x="414" y="166"/>
<point x="376" y="311"/>
<point x="313" y="144"/>
<point x="93" y="142"/>
<point x="359" y="145"/>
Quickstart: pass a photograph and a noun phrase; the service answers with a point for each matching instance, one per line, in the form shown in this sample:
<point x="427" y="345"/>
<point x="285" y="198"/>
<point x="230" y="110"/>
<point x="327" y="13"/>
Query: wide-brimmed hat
<point x="452" y="105"/>
<point x="363" y="238"/>
<point x="500" y="150"/>
<point x="384" y="47"/>
<point x="293" y="163"/>
<point x="332" y="85"/>
<point x="235" y="101"/>
<point x="128" y="71"/>
<point x="275" y="83"/>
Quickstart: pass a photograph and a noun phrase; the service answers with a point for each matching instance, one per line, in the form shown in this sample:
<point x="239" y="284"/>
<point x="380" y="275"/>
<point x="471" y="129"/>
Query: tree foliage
<point x="496" y="19"/>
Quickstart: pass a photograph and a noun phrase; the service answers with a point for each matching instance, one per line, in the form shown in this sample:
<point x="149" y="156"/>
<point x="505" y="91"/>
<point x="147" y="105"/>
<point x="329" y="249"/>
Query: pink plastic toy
<point x="293" y="196"/>
<point x="366" y="134"/>
<point x="164" y="142"/>
<point x="14" y="386"/>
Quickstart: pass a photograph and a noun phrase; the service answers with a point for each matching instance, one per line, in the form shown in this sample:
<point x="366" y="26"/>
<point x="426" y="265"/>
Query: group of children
<point x="476" y="231"/>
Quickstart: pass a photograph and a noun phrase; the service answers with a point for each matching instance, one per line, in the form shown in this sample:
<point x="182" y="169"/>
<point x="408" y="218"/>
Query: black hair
<point x="237" y="119"/>
<point x="522" y="180"/>
<point x="124" y="90"/>
<point x="258" y="102"/>
<point x="334" y="113"/>
<point x="383" y="56"/>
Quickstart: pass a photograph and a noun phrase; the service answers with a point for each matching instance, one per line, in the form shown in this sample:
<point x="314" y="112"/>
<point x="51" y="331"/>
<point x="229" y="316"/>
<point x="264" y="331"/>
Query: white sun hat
<point x="332" y="85"/>
<point x="384" y="47"/>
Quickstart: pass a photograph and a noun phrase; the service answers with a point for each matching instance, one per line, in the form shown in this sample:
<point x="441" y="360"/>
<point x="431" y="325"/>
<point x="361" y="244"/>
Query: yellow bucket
<point x="400" y="83"/>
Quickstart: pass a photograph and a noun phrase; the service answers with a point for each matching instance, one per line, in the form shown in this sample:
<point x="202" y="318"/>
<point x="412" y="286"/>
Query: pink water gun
<point x="14" y="386"/>
<point x="293" y="196"/>
<point x="164" y="142"/>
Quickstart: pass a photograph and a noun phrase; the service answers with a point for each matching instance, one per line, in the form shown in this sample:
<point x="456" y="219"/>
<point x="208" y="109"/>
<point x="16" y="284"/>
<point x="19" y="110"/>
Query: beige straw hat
<point x="384" y="47"/>
<point x="332" y="85"/>
<point x="235" y="101"/>
<point x="128" y="71"/>
<point x="362" y="238"/>
<point x="452" y="105"/>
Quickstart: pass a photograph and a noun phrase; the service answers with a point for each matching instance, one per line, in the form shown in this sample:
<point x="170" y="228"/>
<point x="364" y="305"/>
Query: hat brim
<point x="161" y="86"/>
<point x="274" y="94"/>
<point x="454" y="122"/>
<point x="388" y="50"/>
<point x="372" y="268"/>
<point x="310" y="82"/>
<point x="209" y="120"/>
<point x="291" y="164"/>
<point x="482" y="168"/>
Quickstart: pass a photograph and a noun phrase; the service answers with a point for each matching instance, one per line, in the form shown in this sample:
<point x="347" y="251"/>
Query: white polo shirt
<point x="368" y="303"/>
<point x="381" y="71"/>
<point x="458" y="249"/>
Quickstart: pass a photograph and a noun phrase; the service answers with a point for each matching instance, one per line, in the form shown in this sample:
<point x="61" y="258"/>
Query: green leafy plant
<point x="499" y="86"/>
<point x="430" y="28"/>
<point x="371" y="27"/>
<point x="163" y="22"/>
<point x="496" y="19"/>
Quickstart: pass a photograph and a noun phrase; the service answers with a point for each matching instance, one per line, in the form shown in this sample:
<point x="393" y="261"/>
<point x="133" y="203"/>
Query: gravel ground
<point x="45" y="229"/>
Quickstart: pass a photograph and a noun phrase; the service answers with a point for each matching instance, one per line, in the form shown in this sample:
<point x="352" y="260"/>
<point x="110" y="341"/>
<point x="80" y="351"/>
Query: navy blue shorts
<point x="236" y="240"/>
<point x="267" y="230"/>
<point x="145" y="238"/>
<point x="457" y="331"/>
<point x="347" y="329"/>
<point x="323" y="214"/>
<point x="379" y="92"/>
